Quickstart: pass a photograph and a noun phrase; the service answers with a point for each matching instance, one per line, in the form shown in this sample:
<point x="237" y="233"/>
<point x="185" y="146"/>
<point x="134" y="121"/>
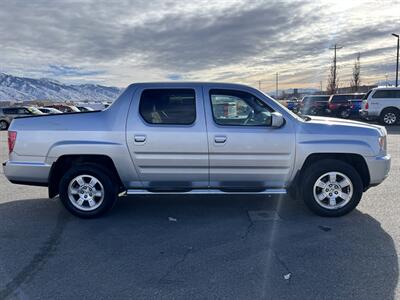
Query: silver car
<point x="7" y="114"/>
<point x="197" y="138"/>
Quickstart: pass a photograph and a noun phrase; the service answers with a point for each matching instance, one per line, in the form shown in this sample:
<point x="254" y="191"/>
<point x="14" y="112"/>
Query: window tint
<point x="10" y="111"/>
<point x="386" y="94"/>
<point x="168" y="106"/>
<point x="239" y="108"/>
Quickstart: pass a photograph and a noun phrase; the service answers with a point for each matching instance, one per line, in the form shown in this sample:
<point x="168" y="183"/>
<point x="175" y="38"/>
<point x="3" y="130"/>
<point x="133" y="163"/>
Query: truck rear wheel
<point x="332" y="188"/>
<point x="87" y="191"/>
<point x="389" y="116"/>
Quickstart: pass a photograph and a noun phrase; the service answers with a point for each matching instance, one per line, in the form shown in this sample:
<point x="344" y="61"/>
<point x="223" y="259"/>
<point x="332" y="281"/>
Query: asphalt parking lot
<point x="197" y="247"/>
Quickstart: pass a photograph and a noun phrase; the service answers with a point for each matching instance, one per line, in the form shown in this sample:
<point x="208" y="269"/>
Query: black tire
<point x="389" y="114"/>
<point x="344" y="114"/>
<point x="109" y="185"/>
<point x="315" y="171"/>
<point x="4" y="125"/>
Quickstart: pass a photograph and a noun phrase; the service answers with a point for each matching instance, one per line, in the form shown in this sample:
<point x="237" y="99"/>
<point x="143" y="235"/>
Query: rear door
<point x="167" y="139"/>
<point x="246" y="153"/>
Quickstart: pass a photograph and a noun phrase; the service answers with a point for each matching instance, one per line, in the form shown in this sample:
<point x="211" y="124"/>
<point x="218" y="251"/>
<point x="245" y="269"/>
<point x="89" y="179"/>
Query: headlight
<point x="382" y="142"/>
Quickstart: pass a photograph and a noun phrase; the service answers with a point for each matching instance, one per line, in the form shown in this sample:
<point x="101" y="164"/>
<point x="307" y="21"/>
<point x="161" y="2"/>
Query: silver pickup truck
<point x="195" y="138"/>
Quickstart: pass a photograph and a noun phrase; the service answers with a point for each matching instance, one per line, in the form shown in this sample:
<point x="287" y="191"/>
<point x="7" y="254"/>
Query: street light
<point x="397" y="63"/>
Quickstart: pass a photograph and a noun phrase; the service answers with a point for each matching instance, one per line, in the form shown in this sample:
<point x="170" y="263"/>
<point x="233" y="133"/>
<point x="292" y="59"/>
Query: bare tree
<point x="356" y="80"/>
<point x="332" y="85"/>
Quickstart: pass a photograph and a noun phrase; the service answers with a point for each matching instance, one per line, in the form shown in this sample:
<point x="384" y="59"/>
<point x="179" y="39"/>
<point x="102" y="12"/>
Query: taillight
<point x="366" y="105"/>
<point x="12" y="137"/>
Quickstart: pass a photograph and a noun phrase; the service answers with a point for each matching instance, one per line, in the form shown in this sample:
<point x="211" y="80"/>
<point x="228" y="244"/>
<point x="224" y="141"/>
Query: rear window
<point x="341" y="98"/>
<point x="168" y="106"/>
<point x="386" y="94"/>
<point x="316" y="98"/>
<point x="366" y="95"/>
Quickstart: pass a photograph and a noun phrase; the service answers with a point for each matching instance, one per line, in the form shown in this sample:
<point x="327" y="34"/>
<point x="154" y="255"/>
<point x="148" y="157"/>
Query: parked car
<point x="314" y="105"/>
<point x="339" y="105"/>
<point x="84" y="108"/>
<point x="292" y="105"/>
<point x="383" y="104"/>
<point x="188" y="138"/>
<point x="49" y="110"/>
<point x="7" y="114"/>
<point x="64" y="108"/>
<point x="355" y="106"/>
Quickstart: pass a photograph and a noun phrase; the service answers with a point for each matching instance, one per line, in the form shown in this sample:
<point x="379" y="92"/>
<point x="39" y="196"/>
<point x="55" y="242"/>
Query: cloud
<point x="117" y="42"/>
<point x="57" y="71"/>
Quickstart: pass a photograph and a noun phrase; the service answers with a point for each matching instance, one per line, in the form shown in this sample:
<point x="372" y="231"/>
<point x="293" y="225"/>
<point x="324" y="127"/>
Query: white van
<point x="382" y="103"/>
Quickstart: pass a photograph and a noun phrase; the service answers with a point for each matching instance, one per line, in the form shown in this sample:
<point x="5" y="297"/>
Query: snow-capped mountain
<point x="21" y="88"/>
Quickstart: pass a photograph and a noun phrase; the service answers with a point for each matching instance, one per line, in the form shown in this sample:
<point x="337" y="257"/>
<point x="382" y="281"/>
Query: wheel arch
<point x="390" y="107"/>
<point x="356" y="160"/>
<point x="65" y="162"/>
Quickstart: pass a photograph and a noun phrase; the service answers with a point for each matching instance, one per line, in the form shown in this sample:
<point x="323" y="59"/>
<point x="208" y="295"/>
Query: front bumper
<point x="379" y="168"/>
<point x="30" y="173"/>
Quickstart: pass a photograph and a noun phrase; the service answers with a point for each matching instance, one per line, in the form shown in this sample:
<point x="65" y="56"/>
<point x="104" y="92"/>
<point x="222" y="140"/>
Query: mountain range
<point x="23" y="89"/>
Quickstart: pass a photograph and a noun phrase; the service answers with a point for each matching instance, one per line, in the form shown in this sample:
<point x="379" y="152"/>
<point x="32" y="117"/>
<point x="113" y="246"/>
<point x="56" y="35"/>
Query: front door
<point x="245" y="151"/>
<point x="167" y="138"/>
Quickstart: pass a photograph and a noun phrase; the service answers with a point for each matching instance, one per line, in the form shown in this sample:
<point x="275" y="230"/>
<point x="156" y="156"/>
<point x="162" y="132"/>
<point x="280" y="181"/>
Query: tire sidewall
<point x="315" y="171"/>
<point x="109" y="185"/>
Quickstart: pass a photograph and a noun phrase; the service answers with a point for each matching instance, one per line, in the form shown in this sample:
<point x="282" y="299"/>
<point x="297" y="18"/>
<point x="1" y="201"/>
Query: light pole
<point x="397" y="62"/>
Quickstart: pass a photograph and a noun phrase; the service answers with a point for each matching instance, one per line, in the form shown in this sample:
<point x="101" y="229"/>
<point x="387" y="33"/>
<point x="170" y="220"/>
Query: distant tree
<point x="356" y="80"/>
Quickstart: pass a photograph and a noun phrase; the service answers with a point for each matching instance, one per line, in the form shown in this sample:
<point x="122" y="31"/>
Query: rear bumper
<point x="379" y="168"/>
<point x="30" y="173"/>
<point x="364" y="115"/>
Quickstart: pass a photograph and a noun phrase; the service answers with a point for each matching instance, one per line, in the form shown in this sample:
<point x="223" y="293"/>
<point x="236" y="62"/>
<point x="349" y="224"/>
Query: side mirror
<point x="277" y="120"/>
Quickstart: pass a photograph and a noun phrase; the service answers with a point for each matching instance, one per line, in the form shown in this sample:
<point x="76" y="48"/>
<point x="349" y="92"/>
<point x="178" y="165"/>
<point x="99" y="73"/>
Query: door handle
<point x="220" y="139"/>
<point x="140" y="138"/>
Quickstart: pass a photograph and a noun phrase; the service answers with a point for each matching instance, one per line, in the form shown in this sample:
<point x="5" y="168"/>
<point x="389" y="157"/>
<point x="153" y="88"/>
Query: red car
<point x="340" y="106"/>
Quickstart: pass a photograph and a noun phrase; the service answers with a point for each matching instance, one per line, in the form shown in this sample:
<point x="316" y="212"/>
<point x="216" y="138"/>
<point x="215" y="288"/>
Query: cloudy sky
<point x="116" y="42"/>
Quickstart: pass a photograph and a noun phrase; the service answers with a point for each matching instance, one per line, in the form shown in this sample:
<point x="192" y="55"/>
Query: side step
<point x="206" y="191"/>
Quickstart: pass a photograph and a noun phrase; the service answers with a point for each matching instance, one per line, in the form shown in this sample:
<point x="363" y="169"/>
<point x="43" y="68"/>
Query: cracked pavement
<point x="213" y="250"/>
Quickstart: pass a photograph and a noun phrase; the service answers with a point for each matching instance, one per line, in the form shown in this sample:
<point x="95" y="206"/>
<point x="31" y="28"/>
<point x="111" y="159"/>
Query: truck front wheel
<point x="87" y="191"/>
<point x="332" y="188"/>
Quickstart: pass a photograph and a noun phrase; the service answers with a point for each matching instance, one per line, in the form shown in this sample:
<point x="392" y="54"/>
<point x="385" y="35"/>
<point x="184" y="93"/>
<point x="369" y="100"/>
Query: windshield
<point x="296" y="116"/>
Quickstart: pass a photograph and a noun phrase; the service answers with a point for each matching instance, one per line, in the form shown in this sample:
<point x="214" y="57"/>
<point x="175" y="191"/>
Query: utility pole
<point x="397" y="62"/>
<point x="259" y="85"/>
<point x="276" y="86"/>
<point x="320" y="85"/>
<point x="334" y="71"/>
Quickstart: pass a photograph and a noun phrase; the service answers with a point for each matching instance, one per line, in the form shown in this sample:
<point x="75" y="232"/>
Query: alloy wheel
<point x="86" y="192"/>
<point x="333" y="190"/>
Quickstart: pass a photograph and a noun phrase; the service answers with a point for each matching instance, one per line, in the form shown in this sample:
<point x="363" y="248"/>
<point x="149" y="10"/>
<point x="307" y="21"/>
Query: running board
<point x="206" y="191"/>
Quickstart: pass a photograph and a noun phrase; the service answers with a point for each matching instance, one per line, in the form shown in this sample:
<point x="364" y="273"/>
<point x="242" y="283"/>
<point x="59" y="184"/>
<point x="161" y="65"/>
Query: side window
<point x="386" y="94"/>
<point x="168" y="106"/>
<point x="237" y="108"/>
<point x="9" y="111"/>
